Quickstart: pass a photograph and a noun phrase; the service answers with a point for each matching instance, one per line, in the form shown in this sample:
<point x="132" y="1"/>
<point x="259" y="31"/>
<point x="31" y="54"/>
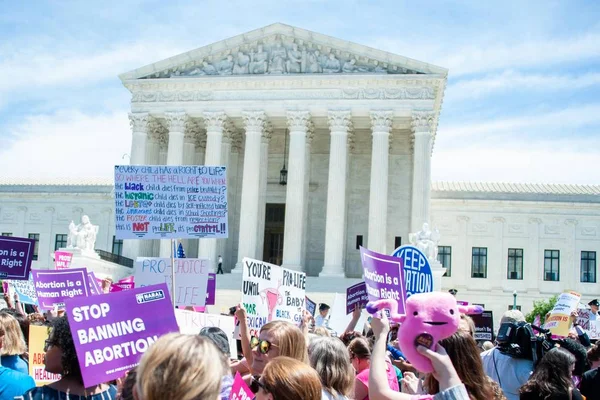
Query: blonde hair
<point x="470" y="323"/>
<point x="322" y="331"/>
<point x="329" y="357"/>
<point x="14" y="341"/>
<point x="290" y="339"/>
<point x="177" y="366"/>
<point x="289" y="379"/>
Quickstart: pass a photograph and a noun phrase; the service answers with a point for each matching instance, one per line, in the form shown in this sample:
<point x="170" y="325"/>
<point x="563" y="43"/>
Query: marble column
<point x="340" y="125"/>
<point x="139" y="129"/>
<point x="215" y="125"/>
<point x="422" y="124"/>
<point x="155" y="130"/>
<point x="254" y="122"/>
<point x="189" y="158"/>
<point x="262" y="199"/>
<point x="177" y="122"/>
<point x="381" y="125"/>
<point x="228" y="134"/>
<point x="299" y="124"/>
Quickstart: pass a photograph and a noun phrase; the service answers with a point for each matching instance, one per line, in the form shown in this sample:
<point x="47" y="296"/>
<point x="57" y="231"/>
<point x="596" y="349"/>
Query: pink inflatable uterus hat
<point x="429" y="318"/>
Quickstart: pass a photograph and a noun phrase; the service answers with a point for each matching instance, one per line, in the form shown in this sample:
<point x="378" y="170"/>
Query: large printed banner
<point x="25" y="290"/>
<point x="54" y="287"/>
<point x="356" y="295"/>
<point x="62" y="259"/>
<point x="270" y="292"/>
<point x="588" y="322"/>
<point x="384" y="277"/>
<point x="191" y="323"/>
<point x="559" y="321"/>
<point x="16" y="255"/>
<point x="37" y="366"/>
<point x="191" y="277"/>
<point x="484" y="326"/>
<point x="111" y="332"/>
<point x="170" y="202"/>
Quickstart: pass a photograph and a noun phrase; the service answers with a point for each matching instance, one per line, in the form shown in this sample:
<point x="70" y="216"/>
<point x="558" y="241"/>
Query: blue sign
<point x="417" y="271"/>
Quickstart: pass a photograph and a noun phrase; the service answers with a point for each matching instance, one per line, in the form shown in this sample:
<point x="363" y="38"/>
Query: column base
<point x="332" y="271"/>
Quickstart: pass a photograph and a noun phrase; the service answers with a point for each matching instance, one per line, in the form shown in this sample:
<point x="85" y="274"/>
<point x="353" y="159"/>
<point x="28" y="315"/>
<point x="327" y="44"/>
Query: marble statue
<point x="350" y="66"/>
<point x="332" y="65"/>
<point x="242" y="63"/>
<point x="206" y="69"/>
<point x="426" y="241"/>
<point x="82" y="236"/>
<point x="312" y="63"/>
<point x="259" y="61"/>
<point x="294" y="62"/>
<point x="278" y="58"/>
<point x="226" y="66"/>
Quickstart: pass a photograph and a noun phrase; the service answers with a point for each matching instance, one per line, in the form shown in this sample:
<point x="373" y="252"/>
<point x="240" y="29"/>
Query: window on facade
<point x="359" y="241"/>
<point x="60" y="242"/>
<point x="511" y="307"/>
<point x="515" y="264"/>
<point x="479" y="262"/>
<point x="551" y="265"/>
<point x="117" y="247"/>
<point x="445" y="257"/>
<point x="36" y="246"/>
<point x="6" y="233"/>
<point x="588" y="266"/>
<point x="397" y="241"/>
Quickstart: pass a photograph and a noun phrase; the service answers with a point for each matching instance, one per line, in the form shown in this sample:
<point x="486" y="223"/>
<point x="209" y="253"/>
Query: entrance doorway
<point x="274" y="228"/>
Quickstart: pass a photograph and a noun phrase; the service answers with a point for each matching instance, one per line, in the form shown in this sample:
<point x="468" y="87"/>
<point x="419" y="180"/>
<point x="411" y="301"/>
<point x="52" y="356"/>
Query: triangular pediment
<point x="280" y="49"/>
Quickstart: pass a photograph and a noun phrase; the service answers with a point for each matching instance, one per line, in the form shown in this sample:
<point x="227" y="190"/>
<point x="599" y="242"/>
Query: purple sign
<point x="93" y="284"/>
<point x="211" y="289"/>
<point x="356" y="295"/>
<point x="111" y="332"/>
<point x="384" y="277"/>
<point x="311" y="306"/>
<point x="53" y="287"/>
<point x="16" y="255"/>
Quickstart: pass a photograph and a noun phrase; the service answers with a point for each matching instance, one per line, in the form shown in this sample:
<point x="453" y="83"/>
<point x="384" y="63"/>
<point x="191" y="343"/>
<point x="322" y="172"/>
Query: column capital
<point x="422" y="121"/>
<point x="177" y="121"/>
<point x="155" y="129"/>
<point x="139" y="122"/>
<point x="381" y="121"/>
<point x="192" y="132"/>
<point x="254" y="121"/>
<point x="298" y="120"/>
<point x="229" y="130"/>
<point x="215" y="121"/>
<point x="267" y="132"/>
<point x="340" y="121"/>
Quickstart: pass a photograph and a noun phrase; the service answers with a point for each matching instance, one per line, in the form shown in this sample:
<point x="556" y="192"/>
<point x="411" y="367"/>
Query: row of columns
<point x="254" y="180"/>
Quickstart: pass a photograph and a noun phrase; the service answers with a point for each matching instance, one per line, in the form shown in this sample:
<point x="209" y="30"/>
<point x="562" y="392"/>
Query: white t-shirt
<point x="510" y="373"/>
<point x="328" y="396"/>
<point x="220" y="260"/>
<point x="322" y="321"/>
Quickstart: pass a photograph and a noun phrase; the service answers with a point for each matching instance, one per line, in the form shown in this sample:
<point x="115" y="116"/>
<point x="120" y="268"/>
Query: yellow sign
<point x="559" y="321"/>
<point x="37" y="368"/>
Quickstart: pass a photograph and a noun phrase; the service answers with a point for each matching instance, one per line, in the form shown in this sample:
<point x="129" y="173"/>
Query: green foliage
<point x="541" y="307"/>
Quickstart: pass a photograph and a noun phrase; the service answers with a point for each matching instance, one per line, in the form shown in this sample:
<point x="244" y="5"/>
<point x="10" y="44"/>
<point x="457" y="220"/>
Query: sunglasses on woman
<point x="257" y="384"/>
<point x="263" y="345"/>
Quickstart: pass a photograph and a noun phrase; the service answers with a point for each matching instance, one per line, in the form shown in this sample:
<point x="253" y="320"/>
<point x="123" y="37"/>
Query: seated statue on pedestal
<point x="426" y="241"/>
<point x="82" y="236"/>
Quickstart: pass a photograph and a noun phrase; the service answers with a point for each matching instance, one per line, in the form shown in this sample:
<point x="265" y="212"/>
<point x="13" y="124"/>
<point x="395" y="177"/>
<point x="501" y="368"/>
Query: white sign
<point x="559" y="320"/>
<point x="191" y="323"/>
<point x="588" y="322"/>
<point x="170" y="202"/>
<point x="25" y="290"/>
<point x="191" y="277"/>
<point x="270" y="292"/>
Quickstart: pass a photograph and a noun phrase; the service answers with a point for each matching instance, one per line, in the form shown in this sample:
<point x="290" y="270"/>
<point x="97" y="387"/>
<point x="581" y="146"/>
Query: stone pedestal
<point x="101" y="268"/>
<point x="438" y="271"/>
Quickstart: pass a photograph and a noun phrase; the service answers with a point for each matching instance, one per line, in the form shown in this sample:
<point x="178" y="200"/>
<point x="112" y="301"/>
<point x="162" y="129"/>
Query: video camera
<point x="518" y="340"/>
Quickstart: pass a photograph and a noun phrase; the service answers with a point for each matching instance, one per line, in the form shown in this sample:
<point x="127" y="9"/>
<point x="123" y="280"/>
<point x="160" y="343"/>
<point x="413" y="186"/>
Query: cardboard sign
<point x="62" y="259"/>
<point x="211" y="289"/>
<point x="270" y="292"/>
<point x="356" y="295"/>
<point x="559" y="321"/>
<point x="54" y="287"/>
<point x="111" y="332"/>
<point x="16" y="255"/>
<point x="311" y="306"/>
<point x="25" y="290"/>
<point x="191" y="277"/>
<point x="239" y="389"/>
<point x="171" y="202"/>
<point x="37" y="366"/>
<point x="417" y="270"/>
<point x="191" y="323"/>
<point x="384" y="277"/>
<point x="484" y="326"/>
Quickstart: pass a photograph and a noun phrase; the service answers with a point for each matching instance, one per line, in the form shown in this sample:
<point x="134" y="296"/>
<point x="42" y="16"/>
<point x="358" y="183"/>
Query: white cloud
<point x="67" y="144"/>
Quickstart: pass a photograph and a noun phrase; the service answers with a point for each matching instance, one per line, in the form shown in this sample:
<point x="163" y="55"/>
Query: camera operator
<point x="509" y="372"/>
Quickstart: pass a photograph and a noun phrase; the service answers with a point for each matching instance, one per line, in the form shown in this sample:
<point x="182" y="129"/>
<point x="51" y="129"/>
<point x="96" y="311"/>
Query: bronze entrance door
<point x="274" y="227"/>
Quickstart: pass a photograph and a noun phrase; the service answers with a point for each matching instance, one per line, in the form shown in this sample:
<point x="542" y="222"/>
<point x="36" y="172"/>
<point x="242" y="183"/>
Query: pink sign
<point x="62" y="259"/>
<point x="239" y="390"/>
<point x="123" y="284"/>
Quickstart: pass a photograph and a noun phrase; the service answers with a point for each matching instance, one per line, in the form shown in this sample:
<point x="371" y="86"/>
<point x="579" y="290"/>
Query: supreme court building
<point x="327" y="143"/>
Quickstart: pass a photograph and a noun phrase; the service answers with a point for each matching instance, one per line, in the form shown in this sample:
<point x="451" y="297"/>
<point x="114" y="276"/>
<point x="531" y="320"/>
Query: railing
<point x="115" y="258"/>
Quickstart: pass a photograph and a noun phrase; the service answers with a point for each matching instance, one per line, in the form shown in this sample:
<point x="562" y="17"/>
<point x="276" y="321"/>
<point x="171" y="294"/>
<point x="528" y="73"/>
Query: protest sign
<point x="25" y="290"/>
<point x="54" y="287"/>
<point x="37" y="367"/>
<point x="170" y="202"/>
<point x="191" y="277"/>
<point x="311" y="306"/>
<point x="191" y="323"/>
<point x="16" y="255"/>
<point x="93" y="283"/>
<point x="484" y="325"/>
<point x="270" y="292"/>
<point x="111" y="332"/>
<point x="384" y="277"/>
<point x="356" y="295"/>
<point x="124" y="284"/>
<point x="588" y="322"/>
<point x="559" y="321"/>
<point x="62" y="259"/>
<point x="239" y="389"/>
<point x="211" y="289"/>
<point x="417" y="271"/>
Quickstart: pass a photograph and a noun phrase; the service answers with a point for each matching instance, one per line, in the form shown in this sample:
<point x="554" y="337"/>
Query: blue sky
<point x="522" y="103"/>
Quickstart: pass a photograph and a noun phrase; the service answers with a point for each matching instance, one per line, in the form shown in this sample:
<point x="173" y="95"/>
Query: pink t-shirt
<point x="363" y="376"/>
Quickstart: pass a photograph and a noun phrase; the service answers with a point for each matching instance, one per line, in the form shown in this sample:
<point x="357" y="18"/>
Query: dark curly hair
<point x="580" y="353"/>
<point x="60" y="336"/>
